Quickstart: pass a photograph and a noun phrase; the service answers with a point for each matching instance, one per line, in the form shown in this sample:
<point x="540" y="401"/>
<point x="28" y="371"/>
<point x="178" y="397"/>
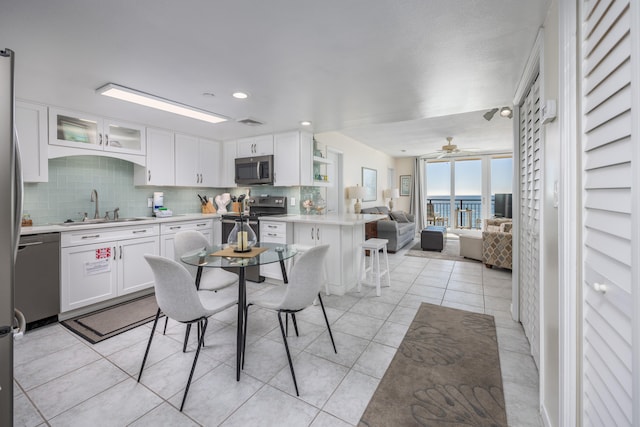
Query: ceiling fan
<point x="450" y="148"/>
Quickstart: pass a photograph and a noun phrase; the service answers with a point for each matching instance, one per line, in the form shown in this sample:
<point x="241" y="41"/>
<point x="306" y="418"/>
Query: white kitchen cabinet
<point x="197" y="161"/>
<point x="31" y="126"/>
<point x="168" y="233"/>
<point x="322" y="234"/>
<point x="342" y="256"/>
<point x="100" y="264"/>
<point x="76" y="130"/>
<point x="227" y="168"/>
<point x="292" y="159"/>
<point x="274" y="232"/>
<point x="159" y="168"/>
<point x="255" y="146"/>
<point x="216" y="236"/>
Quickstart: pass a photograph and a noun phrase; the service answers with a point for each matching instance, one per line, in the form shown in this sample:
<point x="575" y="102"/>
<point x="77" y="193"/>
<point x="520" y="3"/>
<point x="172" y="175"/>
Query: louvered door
<point x="607" y="215"/>
<point x="530" y="185"/>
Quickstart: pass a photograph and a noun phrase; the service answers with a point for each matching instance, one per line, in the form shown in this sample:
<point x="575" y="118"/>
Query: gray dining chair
<point x="305" y="281"/>
<point x="178" y="298"/>
<point x="212" y="279"/>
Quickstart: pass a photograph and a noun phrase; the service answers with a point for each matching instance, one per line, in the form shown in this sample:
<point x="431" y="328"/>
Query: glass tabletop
<point x="275" y="252"/>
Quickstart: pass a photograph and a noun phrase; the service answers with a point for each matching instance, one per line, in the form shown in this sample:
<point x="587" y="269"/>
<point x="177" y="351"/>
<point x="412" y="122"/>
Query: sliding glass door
<point x="462" y="192"/>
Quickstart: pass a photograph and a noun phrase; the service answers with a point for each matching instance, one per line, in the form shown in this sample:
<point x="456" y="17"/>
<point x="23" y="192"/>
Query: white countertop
<point x="332" y="219"/>
<point x="57" y="228"/>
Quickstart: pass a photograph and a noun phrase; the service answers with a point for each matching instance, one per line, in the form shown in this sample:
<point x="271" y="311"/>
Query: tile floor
<point x="61" y="380"/>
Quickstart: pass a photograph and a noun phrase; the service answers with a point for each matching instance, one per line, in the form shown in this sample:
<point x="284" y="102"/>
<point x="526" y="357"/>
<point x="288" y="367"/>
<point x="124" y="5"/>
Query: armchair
<point x="497" y="243"/>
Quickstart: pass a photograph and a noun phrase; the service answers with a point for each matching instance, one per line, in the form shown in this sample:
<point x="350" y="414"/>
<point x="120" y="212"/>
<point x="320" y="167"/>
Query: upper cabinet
<point x="227" y="168"/>
<point x="197" y="161"/>
<point x="292" y="158"/>
<point x="159" y="168"/>
<point x="31" y="126"/>
<point x="74" y="130"/>
<point x="255" y="146"/>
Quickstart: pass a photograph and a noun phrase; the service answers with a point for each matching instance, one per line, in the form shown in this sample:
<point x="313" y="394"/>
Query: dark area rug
<point x="111" y="321"/>
<point x="446" y="372"/>
<point x="451" y="251"/>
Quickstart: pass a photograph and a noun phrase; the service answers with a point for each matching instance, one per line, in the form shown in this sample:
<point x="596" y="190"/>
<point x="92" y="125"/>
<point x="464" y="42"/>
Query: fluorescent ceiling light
<point x="141" y="98"/>
<point x="240" y="95"/>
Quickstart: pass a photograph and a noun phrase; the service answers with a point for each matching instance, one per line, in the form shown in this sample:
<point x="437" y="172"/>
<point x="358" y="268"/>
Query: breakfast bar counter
<point x="343" y="232"/>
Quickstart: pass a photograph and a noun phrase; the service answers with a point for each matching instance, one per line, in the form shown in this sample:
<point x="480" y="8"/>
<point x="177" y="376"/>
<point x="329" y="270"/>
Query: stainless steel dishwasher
<point x="37" y="278"/>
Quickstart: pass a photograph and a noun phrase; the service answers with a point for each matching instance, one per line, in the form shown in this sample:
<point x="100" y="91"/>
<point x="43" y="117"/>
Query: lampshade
<point x="391" y="193"/>
<point x="356" y="192"/>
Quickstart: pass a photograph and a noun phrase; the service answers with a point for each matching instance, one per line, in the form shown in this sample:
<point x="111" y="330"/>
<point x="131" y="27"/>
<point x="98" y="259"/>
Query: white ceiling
<point x="395" y="75"/>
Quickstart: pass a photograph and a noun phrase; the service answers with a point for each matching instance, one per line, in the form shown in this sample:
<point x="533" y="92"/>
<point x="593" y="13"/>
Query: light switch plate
<point x="150" y="202"/>
<point x="293" y="201"/>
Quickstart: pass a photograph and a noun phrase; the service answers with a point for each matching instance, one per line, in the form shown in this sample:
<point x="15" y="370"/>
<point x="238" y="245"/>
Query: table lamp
<point x="357" y="193"/>
<point x="391" y="193"/>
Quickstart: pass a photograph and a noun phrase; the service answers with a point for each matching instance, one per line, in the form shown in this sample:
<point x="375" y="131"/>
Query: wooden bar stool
<point x="374" y="246"/>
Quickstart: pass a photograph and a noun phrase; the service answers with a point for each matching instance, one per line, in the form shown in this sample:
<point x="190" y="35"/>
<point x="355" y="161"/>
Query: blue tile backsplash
<point x="71" y="179"/>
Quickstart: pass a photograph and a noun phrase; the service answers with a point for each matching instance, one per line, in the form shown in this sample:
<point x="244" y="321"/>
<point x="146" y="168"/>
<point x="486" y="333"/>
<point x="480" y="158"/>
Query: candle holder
<point x="242" y="237"/>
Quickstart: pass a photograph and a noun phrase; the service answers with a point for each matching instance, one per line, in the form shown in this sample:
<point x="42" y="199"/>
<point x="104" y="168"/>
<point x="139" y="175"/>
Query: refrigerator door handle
<point x="19" y="186"/>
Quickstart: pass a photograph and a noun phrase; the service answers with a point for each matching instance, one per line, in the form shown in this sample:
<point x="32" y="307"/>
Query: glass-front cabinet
<point x="80" y="130"/>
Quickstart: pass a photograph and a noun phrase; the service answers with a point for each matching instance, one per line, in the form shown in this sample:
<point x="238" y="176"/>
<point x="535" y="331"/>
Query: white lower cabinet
<point x="274" y="232"/>
<point x="168" y="233"/>
<point x="101" y="264"/>
<point x="341" y="258"/>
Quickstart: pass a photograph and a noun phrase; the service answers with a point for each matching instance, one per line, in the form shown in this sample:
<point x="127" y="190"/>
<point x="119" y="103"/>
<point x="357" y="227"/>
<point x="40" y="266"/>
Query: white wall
<point x="356" y="156"/>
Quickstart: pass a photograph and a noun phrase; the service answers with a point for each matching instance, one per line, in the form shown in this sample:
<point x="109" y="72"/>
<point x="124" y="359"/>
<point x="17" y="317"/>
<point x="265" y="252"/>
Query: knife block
<point x="208" y="208"/>
<point x="236" y="207"/>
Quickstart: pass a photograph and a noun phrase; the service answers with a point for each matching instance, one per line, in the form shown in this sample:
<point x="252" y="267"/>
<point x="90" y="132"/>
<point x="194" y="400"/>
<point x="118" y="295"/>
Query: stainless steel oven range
<point x="258" y="206"/>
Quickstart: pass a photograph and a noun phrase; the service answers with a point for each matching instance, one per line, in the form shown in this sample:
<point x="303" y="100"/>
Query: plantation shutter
<point x="529" y="224"/>
<point x="606" y="213"/>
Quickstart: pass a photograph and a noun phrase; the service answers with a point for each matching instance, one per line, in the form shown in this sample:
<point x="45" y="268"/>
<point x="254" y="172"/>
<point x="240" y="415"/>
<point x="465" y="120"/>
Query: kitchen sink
<point x="101" y="221"/>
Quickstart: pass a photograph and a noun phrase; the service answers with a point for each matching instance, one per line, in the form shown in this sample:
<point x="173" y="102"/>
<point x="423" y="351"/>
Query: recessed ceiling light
<point x="305" y="123"/>
<point x="240" y="95"/>
<point x="210" y="94"/>
<point x="148" y="100"/>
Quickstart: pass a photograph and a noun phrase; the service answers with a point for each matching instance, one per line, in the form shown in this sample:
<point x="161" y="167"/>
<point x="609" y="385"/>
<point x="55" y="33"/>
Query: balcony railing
<point x="442" y="208"/>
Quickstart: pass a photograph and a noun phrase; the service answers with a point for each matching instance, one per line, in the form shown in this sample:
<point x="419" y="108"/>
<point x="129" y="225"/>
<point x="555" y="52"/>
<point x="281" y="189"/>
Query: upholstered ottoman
<point x="471" y="246"/>
<point x="433" y="237"/>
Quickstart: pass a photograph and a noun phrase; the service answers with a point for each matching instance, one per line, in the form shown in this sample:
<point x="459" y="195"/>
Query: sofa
<point x="497" y="243"/>
<point x="399" y="229"/>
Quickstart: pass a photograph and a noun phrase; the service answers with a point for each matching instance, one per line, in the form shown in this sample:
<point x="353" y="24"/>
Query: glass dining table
<point x="224" y="256"/>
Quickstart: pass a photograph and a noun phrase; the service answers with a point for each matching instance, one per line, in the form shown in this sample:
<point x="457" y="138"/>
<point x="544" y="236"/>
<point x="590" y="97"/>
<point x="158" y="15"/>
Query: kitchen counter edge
<point x="331" y="219"/>
<point x="57" y="228"/>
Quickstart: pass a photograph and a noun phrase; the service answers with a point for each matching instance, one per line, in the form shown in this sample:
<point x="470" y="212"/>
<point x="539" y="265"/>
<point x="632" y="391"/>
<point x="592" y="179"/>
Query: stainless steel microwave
<point x="254" y="170"/>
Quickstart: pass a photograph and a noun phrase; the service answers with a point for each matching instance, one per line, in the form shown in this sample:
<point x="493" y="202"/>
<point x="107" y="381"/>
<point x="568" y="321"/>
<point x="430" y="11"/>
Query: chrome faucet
<point x="116" y="214"/>
<point x="94" y="198"/>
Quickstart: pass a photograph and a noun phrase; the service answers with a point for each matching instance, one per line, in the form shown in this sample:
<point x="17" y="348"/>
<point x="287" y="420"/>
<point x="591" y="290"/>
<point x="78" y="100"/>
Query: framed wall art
<point x="370" y="184"/>
<point x="405" y="185"/>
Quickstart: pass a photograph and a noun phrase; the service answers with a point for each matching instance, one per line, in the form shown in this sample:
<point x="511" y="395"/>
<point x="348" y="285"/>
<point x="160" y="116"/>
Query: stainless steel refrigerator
<point x="10" y="218"/>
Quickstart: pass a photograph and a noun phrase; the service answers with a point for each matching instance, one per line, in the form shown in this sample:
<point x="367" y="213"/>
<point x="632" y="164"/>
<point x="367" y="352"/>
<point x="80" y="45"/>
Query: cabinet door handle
<point x="106" y="139"/>
<point x="201" y="225"/>
<point x="114" y="253"/>
<point x="120" y="252"/>
<point x="149" y="179"/>
<point x="317" y="233"/>
<point x="175" y="227"/>
<point x="272" y="226"/>
<point x="100" y="139"/>
<point x="93" y="236"/>
<point x="311" y="233"/>
<point x="139" y="231"/>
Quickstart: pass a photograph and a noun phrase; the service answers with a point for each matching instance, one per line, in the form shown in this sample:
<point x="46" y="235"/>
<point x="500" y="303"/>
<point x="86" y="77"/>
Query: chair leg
<point x="146" y="353"/>
<point x="327" y="322"/>
<point x="186" y="338"/>
<point x="286" y="347"/>
<point x="166" y="320"/>
<point x="205" y="322"/>
<point x="295" y="325"/>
